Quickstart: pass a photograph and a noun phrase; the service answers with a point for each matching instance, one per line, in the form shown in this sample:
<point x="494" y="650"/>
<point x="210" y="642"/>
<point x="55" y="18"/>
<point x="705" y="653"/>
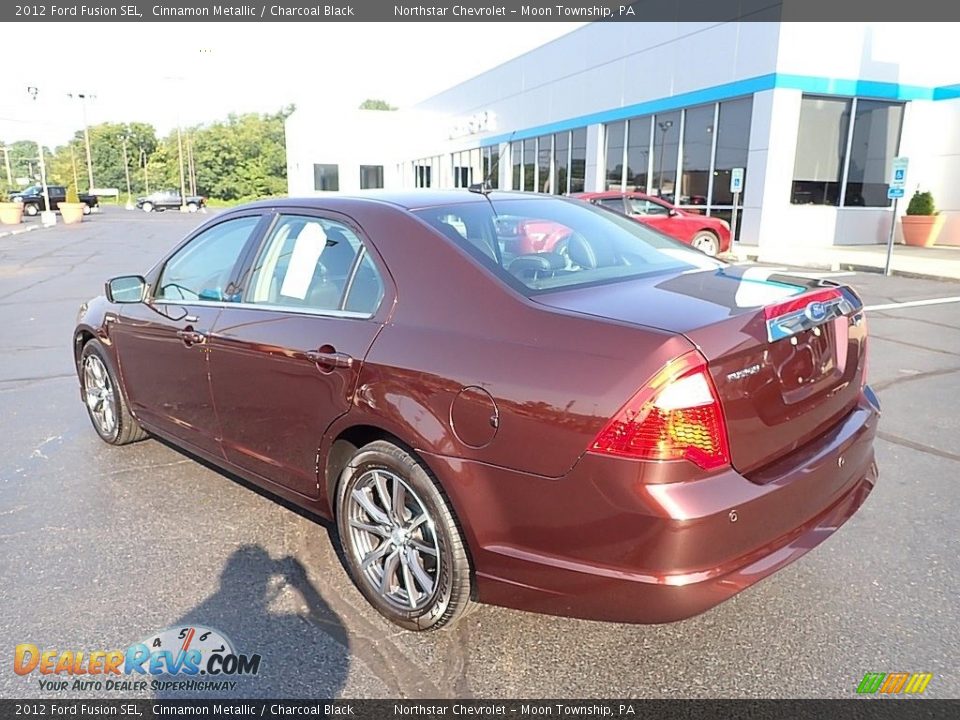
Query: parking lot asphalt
<point x="102" y="547"/>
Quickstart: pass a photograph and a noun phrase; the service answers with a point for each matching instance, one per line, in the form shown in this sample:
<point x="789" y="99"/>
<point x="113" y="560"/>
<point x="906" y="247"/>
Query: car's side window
<point x="613" y="203"/>
<point x="201" y="269"/>
<point x="309" y="263"/>
<point x="645" y="207"/>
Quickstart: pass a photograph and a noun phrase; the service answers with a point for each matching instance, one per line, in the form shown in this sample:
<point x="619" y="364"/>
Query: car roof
<point x="405" y="199"/>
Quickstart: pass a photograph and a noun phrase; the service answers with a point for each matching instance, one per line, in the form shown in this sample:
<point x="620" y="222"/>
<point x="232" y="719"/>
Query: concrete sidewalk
<point x="938" y="262"/>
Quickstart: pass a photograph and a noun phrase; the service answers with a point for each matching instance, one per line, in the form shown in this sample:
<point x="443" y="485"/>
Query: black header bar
<point x="482" y="11"/>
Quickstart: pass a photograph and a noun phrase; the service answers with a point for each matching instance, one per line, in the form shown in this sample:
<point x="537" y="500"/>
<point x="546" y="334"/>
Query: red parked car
<point x="707" y="234"/>
<point x="627" y="431"/>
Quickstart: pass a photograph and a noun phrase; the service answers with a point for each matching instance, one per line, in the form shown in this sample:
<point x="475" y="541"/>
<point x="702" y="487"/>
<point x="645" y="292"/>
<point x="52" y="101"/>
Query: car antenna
<point x="485" y="187"/>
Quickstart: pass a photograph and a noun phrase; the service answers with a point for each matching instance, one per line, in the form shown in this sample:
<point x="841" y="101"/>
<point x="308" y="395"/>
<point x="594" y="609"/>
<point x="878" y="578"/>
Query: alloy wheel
<point x="99" y="396"/>
<point x="394" y="540"/>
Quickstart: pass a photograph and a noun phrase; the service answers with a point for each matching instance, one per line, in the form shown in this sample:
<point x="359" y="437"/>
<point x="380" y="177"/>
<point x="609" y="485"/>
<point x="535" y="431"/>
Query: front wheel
<point x="706" y="242"/>
<point x="402" y="545"/>
<point x="105" y="404"/>
<point x="147" y="207"/>
<point x="87" y="209"/>
<point x="192" y="207"/>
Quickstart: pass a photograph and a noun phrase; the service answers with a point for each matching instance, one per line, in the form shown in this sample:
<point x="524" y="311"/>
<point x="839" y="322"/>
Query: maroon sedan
<point x="707" y="234"/>
<point x="627" y="431"/>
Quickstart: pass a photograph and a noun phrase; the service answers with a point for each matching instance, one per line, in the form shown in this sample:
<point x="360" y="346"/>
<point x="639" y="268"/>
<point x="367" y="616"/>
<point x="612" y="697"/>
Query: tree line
<point x="237" y="159"/>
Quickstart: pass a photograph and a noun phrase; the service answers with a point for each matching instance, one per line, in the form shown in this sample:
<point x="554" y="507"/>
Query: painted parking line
<point x="915" y="303"/>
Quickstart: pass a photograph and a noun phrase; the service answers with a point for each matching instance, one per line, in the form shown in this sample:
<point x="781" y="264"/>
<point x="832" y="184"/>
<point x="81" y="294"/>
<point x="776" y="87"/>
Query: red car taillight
<point x="675" y="416"/>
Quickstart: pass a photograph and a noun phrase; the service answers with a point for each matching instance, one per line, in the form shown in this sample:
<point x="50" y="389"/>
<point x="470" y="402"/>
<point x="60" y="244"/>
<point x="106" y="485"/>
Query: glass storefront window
<point x="638" y="153"/>
<point x="666" y="144"/>
<point x="578" y="159"/>
<point x="544" y="163"/>
<point x="516" y="159"/>
<point x="876" y="136"/>
<point x="733" y="143"/>
<point x="371" y="177"/>
<point x="821" y="139"/>
<point x="697" y="148"/>
<point x="530" y="165"/>
<point x="615" y="134"/>
<point x="561" y="159"/>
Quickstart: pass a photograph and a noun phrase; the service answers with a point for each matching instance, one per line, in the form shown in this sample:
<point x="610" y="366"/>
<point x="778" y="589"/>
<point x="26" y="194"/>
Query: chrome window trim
<point x="297" y="310"/>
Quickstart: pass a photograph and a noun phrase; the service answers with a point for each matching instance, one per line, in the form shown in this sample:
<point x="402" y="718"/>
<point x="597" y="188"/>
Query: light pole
<point x="6" y="162"/>
<point x="146" y="176"/>
<point x="126" y="169"/>
<point x="47" y="217"/>
<point x="83" y="97"/>
<point x="664" y="127"/>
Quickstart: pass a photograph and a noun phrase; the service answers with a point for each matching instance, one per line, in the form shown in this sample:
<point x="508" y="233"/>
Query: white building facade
<point x="814" y="114"/>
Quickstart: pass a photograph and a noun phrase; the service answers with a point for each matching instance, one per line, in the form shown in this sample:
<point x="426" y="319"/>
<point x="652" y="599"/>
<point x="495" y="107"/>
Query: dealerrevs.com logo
<point x="200" y="657"/>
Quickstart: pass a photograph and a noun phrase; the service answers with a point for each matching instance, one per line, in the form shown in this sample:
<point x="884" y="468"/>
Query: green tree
<point x="373" y="104"/>
<point x="24" y="161"/>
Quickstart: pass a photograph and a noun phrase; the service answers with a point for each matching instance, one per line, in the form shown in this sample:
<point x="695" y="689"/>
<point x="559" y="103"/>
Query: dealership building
<point x="814" y="114"/>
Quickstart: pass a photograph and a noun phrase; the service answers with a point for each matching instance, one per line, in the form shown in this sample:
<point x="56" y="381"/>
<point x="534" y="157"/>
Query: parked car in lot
<point x="33" y="203"/>
<point x="169" y="200"/>
<point x="627" y="431"/>
<point x="707" y="234"/>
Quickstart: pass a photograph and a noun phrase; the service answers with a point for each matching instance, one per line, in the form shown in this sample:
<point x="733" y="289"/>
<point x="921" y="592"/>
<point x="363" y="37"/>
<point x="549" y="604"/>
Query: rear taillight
<point x="675" y="416"/>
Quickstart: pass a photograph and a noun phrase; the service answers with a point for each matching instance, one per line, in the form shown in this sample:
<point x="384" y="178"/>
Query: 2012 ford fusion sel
<point x="617" y="428"/>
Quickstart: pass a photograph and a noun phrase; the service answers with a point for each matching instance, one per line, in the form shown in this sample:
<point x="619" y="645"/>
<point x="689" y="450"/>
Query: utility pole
<point x="191" y="168"/>
<point x="73" y="160"/>
<point x="183" y="185"/>
<point x="6" y="162"/>
<point x="126" y="169"/>
<point x="146" y="176"/>
<point x="47" y="215"/>
<point x="83" y="97"/>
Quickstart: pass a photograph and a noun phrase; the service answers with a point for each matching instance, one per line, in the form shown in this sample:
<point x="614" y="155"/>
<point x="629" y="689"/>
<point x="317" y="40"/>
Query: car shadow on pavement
<point x="267" y="606"/>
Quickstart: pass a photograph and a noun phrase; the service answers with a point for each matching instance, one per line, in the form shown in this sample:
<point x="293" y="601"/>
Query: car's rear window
<point x="541" y="244"/>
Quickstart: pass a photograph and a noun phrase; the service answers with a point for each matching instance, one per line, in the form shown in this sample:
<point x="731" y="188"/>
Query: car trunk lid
<point x="785" y="352"/>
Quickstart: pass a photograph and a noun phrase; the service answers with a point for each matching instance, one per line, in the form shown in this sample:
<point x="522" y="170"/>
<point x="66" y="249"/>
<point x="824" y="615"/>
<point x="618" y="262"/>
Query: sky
<point x="199" y="72"/>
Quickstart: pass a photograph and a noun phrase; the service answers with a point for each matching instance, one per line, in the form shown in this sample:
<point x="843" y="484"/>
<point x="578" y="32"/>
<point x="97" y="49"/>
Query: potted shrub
<point x="72" y="210"/>
<point x="11" y="213"/>
<point x="922" y="223"/>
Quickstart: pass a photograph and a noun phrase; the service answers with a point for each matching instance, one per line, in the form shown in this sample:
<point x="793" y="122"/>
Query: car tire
<point x="87" y="209"/>
<point x="31" y="210"/>
<point x="147" y="207"/>
<point x="706" y="242"/>
<point x="192" y="207"/>
<point x="105" y="403"/>
<point x="411" y="564"/>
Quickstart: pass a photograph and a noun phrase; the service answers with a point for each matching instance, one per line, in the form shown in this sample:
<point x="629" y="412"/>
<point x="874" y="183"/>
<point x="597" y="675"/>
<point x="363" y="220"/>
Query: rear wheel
<point x="401" y="542"/>
<point x="706" y="242"/>
<point x="31" y="210"/>
<point x="192" y="207"/>
<point x="147" y="207"/>
<point x="105" y="404"/>
<point x="87" y="209"/>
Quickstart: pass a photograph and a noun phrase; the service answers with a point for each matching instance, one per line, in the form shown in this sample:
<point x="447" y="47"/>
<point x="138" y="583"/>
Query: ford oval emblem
<point x="816" y="311"/>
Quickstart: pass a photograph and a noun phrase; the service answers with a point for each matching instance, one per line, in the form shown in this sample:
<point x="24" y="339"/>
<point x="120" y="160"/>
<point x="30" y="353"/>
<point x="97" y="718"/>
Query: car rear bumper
<point x="606" y="543"/>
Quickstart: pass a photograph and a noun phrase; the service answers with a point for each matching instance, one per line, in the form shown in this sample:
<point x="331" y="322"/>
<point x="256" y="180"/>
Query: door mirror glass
<point x="126" y="289"/>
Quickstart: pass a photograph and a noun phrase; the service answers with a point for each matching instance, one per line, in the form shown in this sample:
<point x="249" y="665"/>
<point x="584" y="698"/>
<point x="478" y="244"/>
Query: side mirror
<point x="673" y="212"/>
<point x="126" y="289"/>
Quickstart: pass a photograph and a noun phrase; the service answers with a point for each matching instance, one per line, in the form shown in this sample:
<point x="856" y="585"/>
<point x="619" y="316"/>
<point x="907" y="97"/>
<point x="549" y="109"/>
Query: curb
<point x="27" y="229"/>
<point x="847" y="266"/>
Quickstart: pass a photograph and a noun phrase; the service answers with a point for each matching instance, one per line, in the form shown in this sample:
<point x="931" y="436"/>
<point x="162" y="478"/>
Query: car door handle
<point x="329" y="358"/>
<point x="191" y="337"/>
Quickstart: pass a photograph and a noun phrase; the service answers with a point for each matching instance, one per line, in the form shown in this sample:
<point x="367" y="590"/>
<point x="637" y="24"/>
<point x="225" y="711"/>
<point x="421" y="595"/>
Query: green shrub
<point x="921" y="204"/>
<point x="72" y="196"/>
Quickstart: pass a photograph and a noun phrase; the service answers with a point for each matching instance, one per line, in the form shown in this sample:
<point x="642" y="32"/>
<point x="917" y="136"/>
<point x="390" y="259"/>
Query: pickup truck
<point x="169" y="200"/>
<point x="32" y="199"/>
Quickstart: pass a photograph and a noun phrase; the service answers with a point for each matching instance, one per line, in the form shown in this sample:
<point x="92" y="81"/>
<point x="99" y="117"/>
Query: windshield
<point x="540" y="244"/>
